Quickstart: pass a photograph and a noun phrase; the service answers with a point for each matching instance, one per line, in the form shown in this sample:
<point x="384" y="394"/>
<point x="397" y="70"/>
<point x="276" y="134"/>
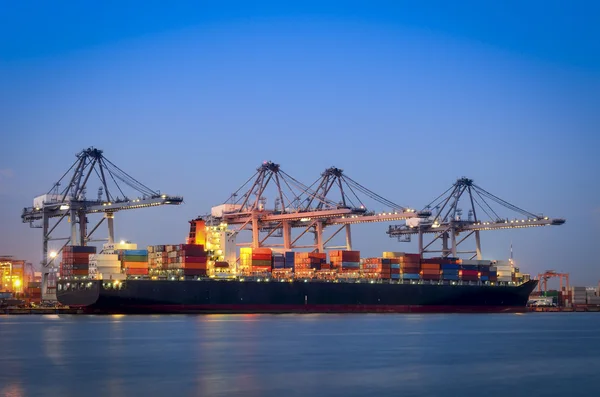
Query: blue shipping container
<point x="290" y="256"/>
<point x="395" y="276"/>
<point x="469" y="267"/>
<point x="411" y="276"/>
<point x="450" y="272"/>
<point x="484" y="278"/>
<point x="278" y="265"/>
<point x="351" y="265"/>
<point x="136" y="252"/>
<point x="451" y="277"/>
<point x="449" y="266"/>
<point x="395" y="266"/>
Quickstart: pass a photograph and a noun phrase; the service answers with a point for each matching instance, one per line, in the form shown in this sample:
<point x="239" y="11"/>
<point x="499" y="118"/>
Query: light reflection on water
<point x="300" y="355"/>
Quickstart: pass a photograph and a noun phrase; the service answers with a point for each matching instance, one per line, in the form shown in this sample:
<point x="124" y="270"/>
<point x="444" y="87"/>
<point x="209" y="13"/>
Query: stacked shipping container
<point x="347" y="263"/>
<point x="307" y="263"/>
<point x="76" y="261"/>
<point x="379" y="268"/>
<point x="135" y="262"/>
<point x="410" y="266"/>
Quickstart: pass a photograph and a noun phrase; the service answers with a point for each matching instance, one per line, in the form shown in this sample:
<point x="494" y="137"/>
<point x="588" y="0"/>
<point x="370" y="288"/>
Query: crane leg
<point x="110" y="220"/>
<point x="73" y="226"/>
<point x="348" y="238"/>
<point x="478" y="244"/>
<point x="82" y="227"/>
<point x="421" y="242"/>
<point x="319" y="236"/>
<point x="287" y="235"/>
<point x="445" y="249"/>
<point x="453" y="237"/>
<point x="255" y="234"/>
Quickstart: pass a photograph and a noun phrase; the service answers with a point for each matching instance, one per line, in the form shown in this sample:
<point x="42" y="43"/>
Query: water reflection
<point x="12" y="390"/>
<point x="53" y="344"/>
<point x="265" y="355"/>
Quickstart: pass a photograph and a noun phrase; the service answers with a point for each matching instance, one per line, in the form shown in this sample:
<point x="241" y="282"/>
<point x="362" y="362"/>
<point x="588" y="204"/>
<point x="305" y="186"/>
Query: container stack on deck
<point x="379" y="268"/>
<point x="347" y="263"/>
<point x="76" y="261"/>
<point x="450" y="270"/>
<point x="410" y="266"/>
<point x="135" y="262"/>
<point x="307" y="263"/>
<point x="255" y="260"/>
<point x="504" y="270"/>
<point x="192" y="260"/>
<point x="158" y="259"/>
<point x="179" y="260"/>
<point x="189" y="260"/>
<point x="104" y="264"/>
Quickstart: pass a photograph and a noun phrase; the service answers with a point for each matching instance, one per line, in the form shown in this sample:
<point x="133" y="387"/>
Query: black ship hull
<point x="233" y="296"/>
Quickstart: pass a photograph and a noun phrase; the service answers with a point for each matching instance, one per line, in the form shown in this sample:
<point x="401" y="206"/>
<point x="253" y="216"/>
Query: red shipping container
<point x="137" y="272"/>
<point x="430" y="276"/>
<point x="189" y="252"/>
<point x="194" y="272"/>
<point x="183" y="247"/>
<point x="262" y="250"/>
<point x="193" y="259"/>
<point x="470" y="273"/>
<point x="430" y="266"/>
<point x="194" y="266"/>
<point x="411" y="269"/>
<point x="261" y="257"/>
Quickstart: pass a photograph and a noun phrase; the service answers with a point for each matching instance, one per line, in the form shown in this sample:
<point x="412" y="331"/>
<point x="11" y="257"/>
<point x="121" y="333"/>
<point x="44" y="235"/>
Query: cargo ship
<point x="212" y="278"/>
<point x="261" y="296"/>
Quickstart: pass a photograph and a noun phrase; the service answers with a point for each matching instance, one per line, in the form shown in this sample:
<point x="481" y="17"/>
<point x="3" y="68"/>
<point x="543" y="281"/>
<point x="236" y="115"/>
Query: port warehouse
<point x="18" y="279"/>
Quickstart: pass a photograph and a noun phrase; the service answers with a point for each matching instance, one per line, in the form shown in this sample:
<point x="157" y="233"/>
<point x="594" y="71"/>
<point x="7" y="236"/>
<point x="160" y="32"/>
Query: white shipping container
<point x="220" y="209"/>
<point x="119" y="246"/>
<point x="39" y="201"/>
<point x="504" y="279"/>
<point x="104" y="257"/>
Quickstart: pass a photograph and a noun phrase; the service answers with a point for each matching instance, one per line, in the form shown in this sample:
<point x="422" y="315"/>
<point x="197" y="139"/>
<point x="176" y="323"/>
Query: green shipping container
<point x="135" y="258"/>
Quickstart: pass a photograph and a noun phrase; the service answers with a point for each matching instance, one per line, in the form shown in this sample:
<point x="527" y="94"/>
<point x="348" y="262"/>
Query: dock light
<point x="53" y="254"/>
<point x="17" y="283"/>
<point x="122" y="241"/>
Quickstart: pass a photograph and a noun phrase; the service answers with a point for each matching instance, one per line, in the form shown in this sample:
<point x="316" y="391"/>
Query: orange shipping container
<point x="262" y="250"/>
<point x="430" y="266"/>
<point x="137" y="272"/>
<point x="135" y="265"/>
<point x="203" y="266"/>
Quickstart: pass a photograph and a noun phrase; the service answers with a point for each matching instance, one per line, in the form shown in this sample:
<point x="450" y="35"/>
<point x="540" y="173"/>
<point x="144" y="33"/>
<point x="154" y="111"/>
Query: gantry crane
<point x="543" y="280"/>
<point x="70" y="202"/>
<point x="447" y="222"/>
<point x="296" y="205"/>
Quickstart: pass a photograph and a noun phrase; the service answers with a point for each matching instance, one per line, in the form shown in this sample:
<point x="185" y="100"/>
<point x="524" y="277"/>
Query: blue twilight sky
<point x="192" y="97"/>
